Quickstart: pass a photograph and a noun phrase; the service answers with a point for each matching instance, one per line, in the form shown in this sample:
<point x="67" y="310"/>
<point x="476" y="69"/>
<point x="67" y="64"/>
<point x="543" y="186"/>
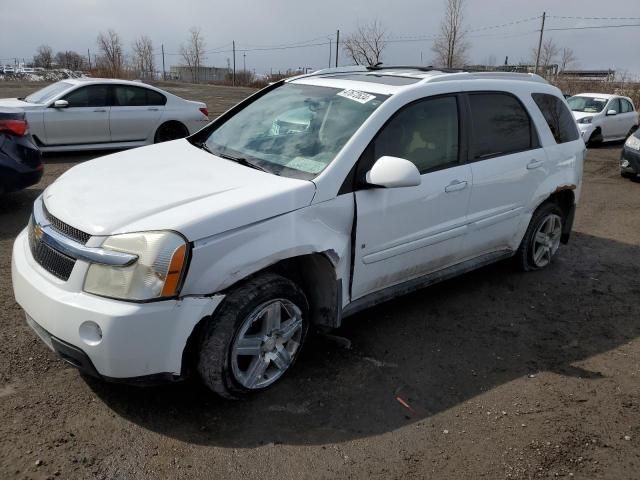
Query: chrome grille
<point x="51" y="260"/>
<point x="65" y="229"/>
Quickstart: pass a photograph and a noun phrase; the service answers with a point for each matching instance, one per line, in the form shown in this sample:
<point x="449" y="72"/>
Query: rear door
<point x="84" y="121"/>
<point x="507" y="165"/>
<point x="629" y="116"/>
<point x="404" y="233"/>
<point x="135" y="113"/>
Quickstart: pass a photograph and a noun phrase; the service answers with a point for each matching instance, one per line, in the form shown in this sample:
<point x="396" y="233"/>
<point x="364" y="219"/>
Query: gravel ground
<point x="496" y="374"/>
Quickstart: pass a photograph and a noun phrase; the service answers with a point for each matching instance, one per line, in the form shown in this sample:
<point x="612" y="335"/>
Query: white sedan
<point x="94" y="114"/>
<point x="602" y="117"/>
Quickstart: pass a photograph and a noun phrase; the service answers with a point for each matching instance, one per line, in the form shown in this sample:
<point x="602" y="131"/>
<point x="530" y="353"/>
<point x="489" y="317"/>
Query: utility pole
<point x="89" y="58"/>
<point x="244" y="61"/>
<point x="544" y="14"/>
<point x="234" y="62"/>
<point x="164" y="75"/>
<point x="337" y="46"/>
<point x="330" y="51"/>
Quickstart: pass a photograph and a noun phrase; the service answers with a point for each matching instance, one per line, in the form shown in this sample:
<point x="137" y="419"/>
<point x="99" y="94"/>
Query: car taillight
<point x="15" y="127"/>
<point x="204" y="111"/>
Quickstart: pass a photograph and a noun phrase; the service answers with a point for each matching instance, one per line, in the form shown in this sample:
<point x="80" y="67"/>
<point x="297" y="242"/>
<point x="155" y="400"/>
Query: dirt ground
<point x="496" y="374"/>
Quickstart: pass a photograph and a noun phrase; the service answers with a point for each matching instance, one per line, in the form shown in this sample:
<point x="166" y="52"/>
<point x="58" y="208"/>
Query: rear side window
<point x="129" y="96"/>
<point x="558" y="117"/>
<point x="501" y="125"/>
<point x="626" y="107"/>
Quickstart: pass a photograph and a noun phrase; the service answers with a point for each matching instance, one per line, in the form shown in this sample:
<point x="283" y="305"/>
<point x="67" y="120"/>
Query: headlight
<point x="585" y="120"/>
<point x="633" y="142"/>
<point x="156" y="274"/>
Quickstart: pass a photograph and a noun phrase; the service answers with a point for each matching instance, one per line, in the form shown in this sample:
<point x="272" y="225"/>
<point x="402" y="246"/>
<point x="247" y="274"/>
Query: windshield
<point x="48" y="93"/>
<point x="294" y="130"/>
<point x="587" y="104"/>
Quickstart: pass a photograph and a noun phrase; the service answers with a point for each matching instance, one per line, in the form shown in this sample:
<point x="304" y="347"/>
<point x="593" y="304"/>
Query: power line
<point x="593" y="18"/>
<point x="594" y="27"/>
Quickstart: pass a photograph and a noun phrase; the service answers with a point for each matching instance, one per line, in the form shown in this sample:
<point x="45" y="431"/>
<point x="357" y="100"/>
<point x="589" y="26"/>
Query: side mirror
<point x="611" y="112"/>
<point x="60" y="104"/>
<point x="393" y="172"/>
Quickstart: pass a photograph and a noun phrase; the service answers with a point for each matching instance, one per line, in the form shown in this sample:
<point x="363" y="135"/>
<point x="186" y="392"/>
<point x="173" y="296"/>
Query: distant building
<point x="205" y="74"/>
<point x="606" y="75"/>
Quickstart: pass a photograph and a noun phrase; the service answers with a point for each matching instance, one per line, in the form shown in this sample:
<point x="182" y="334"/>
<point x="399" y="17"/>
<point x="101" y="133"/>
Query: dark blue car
<point x="630" y="157"/>
<point x="20" y="159"/>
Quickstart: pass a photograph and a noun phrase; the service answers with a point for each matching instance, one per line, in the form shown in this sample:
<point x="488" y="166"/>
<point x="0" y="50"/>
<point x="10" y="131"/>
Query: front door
<point x="84" y="121"/>
<point x="404" y="233"/>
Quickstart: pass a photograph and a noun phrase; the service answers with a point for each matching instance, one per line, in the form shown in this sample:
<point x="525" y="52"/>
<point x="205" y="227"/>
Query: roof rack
<point x="464" y="74"/>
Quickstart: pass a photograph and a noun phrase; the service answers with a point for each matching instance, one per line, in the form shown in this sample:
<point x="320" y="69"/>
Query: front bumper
<point x="586" y="129"/>
<point x="137" y="339"/>
<point x="630" y="161"/>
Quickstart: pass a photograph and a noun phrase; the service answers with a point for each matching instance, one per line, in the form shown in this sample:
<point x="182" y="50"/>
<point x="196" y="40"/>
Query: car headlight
<point x="585" y="120"/>
<point x="633" y="142"/>
<point x="157" y="273"/>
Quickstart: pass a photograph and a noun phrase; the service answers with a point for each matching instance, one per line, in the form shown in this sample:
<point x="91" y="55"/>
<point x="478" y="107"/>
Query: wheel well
<point x="314" y="273"/>
<point x="172" y="122"/>
<point x="564" y="198"/>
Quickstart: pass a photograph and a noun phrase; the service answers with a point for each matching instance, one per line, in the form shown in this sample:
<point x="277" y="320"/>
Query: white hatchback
<point x="94" y="114"/>
<point x="309" y="201"/>
<point x="602" y="117"/>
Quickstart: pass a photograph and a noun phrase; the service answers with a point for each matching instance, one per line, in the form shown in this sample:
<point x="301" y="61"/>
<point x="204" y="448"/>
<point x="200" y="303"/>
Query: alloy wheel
<point x="546" y="240"/>
<point x="266" y="343"/>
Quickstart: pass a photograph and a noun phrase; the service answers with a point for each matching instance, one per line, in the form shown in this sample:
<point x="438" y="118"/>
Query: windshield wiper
<point x="241" y="160"/>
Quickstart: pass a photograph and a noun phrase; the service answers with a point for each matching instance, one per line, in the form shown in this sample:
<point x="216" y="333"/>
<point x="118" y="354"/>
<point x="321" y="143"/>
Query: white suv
<point x="602" y="117"/>
<point x="313" y="199"/>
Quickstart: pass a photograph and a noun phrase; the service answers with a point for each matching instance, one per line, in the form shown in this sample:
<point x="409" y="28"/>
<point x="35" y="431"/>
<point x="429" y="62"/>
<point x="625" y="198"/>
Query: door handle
<point x="152" y="109"/>
<point x="100" y="110"/>
<point x="534" y="164"/>
<point x="455" y="186"/>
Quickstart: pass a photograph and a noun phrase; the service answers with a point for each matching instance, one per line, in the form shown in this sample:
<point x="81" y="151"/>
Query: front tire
<point x="542" y="238"/>
<point x="595" y="138"/>
<point x="254" y="338"/>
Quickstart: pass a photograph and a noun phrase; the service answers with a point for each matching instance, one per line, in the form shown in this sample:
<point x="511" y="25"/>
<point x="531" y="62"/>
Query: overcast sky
<point x="74" y="25"/>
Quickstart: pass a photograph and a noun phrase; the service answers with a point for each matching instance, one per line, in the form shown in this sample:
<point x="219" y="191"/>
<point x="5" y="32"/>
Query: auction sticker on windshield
<point x="356" y="95"/>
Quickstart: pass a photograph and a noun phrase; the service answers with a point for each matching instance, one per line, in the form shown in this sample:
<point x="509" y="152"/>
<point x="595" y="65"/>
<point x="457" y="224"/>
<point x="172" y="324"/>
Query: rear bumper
<point x="12" y="181"/>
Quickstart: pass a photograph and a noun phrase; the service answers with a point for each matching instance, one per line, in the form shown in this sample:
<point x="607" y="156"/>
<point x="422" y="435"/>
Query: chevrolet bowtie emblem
<point x="38" y="232"/>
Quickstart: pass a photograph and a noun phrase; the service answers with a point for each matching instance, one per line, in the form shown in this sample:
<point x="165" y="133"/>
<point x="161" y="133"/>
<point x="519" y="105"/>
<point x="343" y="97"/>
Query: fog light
<point x="90" y="333"/>
<point x="625" y="163"/>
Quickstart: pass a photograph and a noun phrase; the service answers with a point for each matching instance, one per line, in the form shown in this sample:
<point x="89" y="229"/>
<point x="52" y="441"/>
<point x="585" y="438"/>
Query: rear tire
<point x="170" y="131"/>
<point x="254" y="338"/>
<point x="542" y="238"/>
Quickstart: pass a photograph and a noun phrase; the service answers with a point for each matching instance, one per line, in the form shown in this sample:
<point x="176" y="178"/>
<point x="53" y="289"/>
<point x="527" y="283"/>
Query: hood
<point x="15" y="103"/>
<point x="170" y="186"/>
<point x="579" y="115"/>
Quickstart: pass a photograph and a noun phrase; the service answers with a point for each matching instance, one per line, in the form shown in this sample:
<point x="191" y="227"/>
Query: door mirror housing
<point x="393" y="172"/>
<point x="611" y="112"/>
<point x="60" y="104"/>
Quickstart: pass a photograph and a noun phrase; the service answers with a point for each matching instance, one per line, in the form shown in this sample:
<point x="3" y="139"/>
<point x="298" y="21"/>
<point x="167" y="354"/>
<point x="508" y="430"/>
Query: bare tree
<point x="143" y="56"/>
<point x="70" y="60"/>
<point x="192" y="52"/>
<point x="111" y="59"/>
<point x="43" y="57"/>
<point x="366" y="44"/>
<point x="548" y="56"/>
<point x="451" y="47"/>
<point x="567" y="59"/>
